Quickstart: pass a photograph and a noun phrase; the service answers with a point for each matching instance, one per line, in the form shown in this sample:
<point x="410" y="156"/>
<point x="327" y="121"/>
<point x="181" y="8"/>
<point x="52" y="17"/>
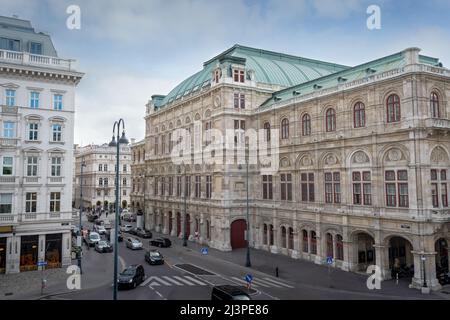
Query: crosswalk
<point x="173" y="281"/>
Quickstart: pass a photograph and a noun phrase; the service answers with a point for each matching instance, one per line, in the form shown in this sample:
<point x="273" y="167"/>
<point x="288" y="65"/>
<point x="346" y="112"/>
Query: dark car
<point x="92" y="217"/>
<point x="143" y="233"/>
<point x="133" y="231"/>
<point x="131" y="277"/>
<point x="228" y="292"/>
<point x="103" y="246"/>
<point x="161" y="242"/>
<point x="99" y="222"/>
<point x="154" y="257"/>
<point x="119" y="236"/>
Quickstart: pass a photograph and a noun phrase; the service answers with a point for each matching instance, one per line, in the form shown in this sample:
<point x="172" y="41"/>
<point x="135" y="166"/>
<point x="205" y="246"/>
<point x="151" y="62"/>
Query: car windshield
<point x="155" y="254"/>
<point x="128" y="272"/>
<point x="94" y="236"/>
<point x="135" y="240"/>
<point x="102" y="243"/>
<point x="241" y="297"/>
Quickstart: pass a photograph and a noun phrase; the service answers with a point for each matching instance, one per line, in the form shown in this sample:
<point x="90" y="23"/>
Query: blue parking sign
<point x="205" y="251"/>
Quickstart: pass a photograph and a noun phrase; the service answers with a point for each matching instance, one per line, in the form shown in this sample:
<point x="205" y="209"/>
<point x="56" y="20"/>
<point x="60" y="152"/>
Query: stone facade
<point x="352" y="185"/>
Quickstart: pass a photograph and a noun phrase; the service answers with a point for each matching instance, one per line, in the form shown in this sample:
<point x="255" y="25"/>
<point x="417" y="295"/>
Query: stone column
<point x="319" y="256"/>
<point x="296" y="248"/>
<point x="430" y="270"/>
<point x="165" y="217"/>
<point x="382" y="260"/>
<point x="66" y="258"/>
<point x="158" y="220"/>
<point x="202" y="228"/>
<point x="173" y="232"/>
<point x="13" y="258"/>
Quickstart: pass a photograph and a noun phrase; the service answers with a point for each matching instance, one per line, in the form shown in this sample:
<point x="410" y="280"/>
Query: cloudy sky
<point x="133" y="49"/>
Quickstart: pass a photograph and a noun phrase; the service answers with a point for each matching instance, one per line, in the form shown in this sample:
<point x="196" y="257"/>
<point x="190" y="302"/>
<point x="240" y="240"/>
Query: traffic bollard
<point x="276" y="272"/>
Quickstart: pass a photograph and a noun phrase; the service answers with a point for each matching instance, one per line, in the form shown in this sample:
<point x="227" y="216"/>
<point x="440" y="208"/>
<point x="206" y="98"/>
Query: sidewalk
<point x="307" y="273"/>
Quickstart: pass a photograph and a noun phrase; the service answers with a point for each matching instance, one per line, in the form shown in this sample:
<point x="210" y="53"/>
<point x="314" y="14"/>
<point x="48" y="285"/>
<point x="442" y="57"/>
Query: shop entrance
<point x="53" y="245"/>
<point x="29" y="253"/>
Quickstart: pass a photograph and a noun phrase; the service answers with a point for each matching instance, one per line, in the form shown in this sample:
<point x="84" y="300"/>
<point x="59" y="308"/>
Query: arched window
<point x="329" y="238"/>
<point x="339" y="247"/>
<point x="331" y="120"/>
<point x="291" y="238"/>
<point x="306" y="125"/>
<point x="434" y="104"/>
<point x="359" y="115"/>
<point x="305" y="241"/>
<point x="283" y="237"/>
<point x="393" y="108"/>
<point x="313" y="242"/>
<point x="267" y="130"/>
<point x="285" y="128"/>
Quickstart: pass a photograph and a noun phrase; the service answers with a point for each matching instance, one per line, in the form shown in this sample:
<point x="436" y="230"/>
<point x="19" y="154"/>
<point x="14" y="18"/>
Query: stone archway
<point x="363" y="251"/>
<point x="401" y="258"/>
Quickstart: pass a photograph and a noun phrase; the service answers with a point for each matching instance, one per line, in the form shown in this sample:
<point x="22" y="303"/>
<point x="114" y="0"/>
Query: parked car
<point x="228" y="292"/>
<point x="107" y="224"/>
<point x="92" y="217"/>
<point x="129" y="217"/>
<point x="126" y="227"/>
<point x="92" y="238"/>
<point x="134" y="244"/>
<point x="100" y="229"/>
<point x="119" y="236"/>
<point x="161" y="242"/>
<point x="99" y="222"/>
<point x="133" y="231"/>
<point x="103" y="246"/>
<point x="132" y="276"/>
<point x="154" y="257"/>
<point x="143" y="233"/>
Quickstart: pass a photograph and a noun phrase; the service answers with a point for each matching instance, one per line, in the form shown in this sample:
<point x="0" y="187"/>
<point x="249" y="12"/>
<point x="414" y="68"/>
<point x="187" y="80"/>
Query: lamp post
<point x="113" y="143"/>
<point x="247" y="261"/>
<point x="423" y="258"/>
<point x="185" y="205"/>
<point x="83" y="164"/>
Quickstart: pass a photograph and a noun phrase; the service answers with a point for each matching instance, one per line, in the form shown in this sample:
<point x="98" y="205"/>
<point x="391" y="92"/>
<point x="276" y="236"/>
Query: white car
<point x="92" y="239"/>
<point x="101" y="229"/>
<point x="126" y="227"/>
<point x="134" y="244"/>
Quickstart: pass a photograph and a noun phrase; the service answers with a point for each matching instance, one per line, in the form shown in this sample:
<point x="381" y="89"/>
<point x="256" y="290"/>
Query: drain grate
<point x="193" y="269"/>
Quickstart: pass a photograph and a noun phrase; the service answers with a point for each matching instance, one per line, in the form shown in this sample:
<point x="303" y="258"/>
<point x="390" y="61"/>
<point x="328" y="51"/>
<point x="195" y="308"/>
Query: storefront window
<point x="53" y="245"/>
<point x="29" y="253"/>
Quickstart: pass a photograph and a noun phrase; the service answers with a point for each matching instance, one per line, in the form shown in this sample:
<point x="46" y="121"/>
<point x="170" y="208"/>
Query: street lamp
<point x="247" y="261"/>
<point x="185" y="205"/>
<point x="113" y="143"/>
<point x="83" y="164"/>
<point x="423" y="258"/>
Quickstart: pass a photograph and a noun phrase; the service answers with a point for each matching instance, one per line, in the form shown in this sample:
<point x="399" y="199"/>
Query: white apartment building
<point x="37" y="106"/>
<point x="99" y="176"/>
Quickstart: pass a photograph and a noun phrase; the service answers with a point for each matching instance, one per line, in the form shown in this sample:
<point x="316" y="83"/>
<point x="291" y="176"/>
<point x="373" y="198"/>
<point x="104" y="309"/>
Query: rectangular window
<point x="307" y="187"/>
<point x="35" y="48"/>
<point x="286" y="186"/>
<point x="163" y="144"/>
<point x="170" y="186"/>
<point x="239" y="75"/>
<point x="397" y="187"/>
<point x="6" y="203"/>
<point x="236" y="100"/>
<point x="57" y="101"/>
<point x="10" y="97"/>
<point x="197" y="186"/>
<point x="239" y="100"/>
<point x="187" y="186"/>
<point x="391" y="195"/>
<point x="56" y="133"/>
<point x="124" y="168"/>
<point x="8" y="129"/>
<point x="439" y="188"/>
<point x="242" y="101"/>
<point x="34" y="99"/>
<point x="7" y="168"/>
<point x="105" y="167"/>
<point x="100" y="181"/>
<point x="434" y="195"/>
<point x="56" y="166"/>
<point x="55" y="201"/>
<point x="30" y="202"/>
<point x="33" y="129"/>
<point x="179" y="186"/>
<point x="267" y="187"/>
<point x="332" y="187"/>
<point x="32" y="166"/>
<point x="403" y="201"/>
<point x="124" y="192"/>
<point x="156" y="145"/>
<point x="163" y="186"/>
<point x="362" y="188"/>
<point x="105" y="182"/>
<point x="124" y="181"/>
<point x="100" y="167"/>
<point x="208" y="187"/>
<point x="9" y="44"/>
<point x="155" y="191"/>
<point x="170" y="144"/>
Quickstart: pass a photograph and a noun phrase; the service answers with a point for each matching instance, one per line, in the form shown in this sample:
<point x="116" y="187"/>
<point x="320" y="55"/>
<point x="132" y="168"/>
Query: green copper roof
<point x="348" y="75"/>
<point x="269" y="67"/>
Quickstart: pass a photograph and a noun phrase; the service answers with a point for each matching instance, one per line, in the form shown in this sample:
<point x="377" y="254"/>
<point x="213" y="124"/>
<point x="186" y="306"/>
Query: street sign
<point x="204" y="251"/>
<point x="329" y="260"/>
<point x="41" y="263"/>
<point x="249" y="278"/>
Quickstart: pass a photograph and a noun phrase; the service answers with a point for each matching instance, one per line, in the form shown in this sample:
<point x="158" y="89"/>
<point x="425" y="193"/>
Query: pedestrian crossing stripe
<point x="266" y="282"/>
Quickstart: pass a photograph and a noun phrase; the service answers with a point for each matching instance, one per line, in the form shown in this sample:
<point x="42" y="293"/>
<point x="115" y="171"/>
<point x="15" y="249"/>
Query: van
<point x="228" y="292"/>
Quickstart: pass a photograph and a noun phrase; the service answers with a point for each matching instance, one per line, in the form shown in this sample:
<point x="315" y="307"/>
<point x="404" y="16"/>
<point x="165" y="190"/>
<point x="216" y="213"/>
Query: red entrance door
<point x="188" y="225"/>
<point x="178" y="223"/>
<point x="238" y="228"/>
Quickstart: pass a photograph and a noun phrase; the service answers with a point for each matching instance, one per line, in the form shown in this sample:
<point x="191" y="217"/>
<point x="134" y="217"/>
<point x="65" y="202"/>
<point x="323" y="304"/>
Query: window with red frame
<point x="285" y="128"/>
<point x="434" y="105"/>
<point x="331" y="120"/>
<point x="359" y="115"/>
<point x="439" y="188"/>
<point x="393" y="108"/>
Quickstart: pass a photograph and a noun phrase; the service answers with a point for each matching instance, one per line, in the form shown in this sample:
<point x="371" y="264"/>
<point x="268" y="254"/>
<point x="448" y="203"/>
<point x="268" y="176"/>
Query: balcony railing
<point x="33" y="216"/>
<point x="25" y="58"/>
<point x="31" y="180"/>
<point x="8" y="219"/>
<point x="55" y="180"/>
<point x="7" y="180"/>
<point x="437" y="123"/>
<point x="8" y="142"/>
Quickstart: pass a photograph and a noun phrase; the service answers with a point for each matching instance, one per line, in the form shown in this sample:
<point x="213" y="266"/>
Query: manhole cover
<point x="193" y="269"/>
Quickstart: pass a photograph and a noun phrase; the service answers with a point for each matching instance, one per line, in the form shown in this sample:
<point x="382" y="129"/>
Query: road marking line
<point x="157" y="279"/>
<point x="243" y="281"/>
<point x="262" y="283"/>
<point x="278" y="282"/>
<point x="195" y="281"/>
<point x="184" y="281"/>
<point x="172" y="280"/>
